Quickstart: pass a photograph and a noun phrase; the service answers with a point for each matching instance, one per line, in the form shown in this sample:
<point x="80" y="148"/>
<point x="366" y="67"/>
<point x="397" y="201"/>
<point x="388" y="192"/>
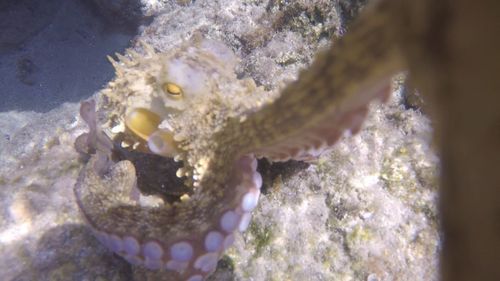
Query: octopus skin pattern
<point x="189" y="105"/>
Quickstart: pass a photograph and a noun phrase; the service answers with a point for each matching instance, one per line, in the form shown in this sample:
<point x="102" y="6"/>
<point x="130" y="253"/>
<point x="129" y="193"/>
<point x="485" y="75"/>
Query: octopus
<point x="188" y="105"/>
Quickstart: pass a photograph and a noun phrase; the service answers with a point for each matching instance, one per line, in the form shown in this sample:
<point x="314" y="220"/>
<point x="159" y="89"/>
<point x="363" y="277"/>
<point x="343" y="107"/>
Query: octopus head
<point x="153" y="88"/>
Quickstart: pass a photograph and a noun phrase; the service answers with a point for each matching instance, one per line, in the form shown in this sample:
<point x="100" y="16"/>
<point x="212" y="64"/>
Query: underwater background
<point x="364" y="211"/>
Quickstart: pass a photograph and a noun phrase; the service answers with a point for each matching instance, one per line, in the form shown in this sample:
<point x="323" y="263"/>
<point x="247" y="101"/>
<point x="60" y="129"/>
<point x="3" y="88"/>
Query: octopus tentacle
<point x="331" y="97"/>
<point x="187" y="239"/>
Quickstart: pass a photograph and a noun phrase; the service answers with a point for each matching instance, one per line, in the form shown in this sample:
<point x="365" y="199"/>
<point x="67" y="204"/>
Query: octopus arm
<point x="332" y="96"/>
<point x="186" y="238"/>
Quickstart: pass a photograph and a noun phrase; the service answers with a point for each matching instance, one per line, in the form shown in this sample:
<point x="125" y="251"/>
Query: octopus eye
<point x="142" y="122"/>
<point x="172" y="90"/>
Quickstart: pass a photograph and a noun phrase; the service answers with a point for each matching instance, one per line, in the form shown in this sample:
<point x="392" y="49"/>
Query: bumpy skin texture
<point x="431" y="39"/>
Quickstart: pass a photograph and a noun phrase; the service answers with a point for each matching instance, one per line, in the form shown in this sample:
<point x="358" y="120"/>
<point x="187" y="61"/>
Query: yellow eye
<point x="173" y="90"/>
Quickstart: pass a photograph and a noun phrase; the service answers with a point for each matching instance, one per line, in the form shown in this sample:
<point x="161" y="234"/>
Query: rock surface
<point x="364" y="211"/>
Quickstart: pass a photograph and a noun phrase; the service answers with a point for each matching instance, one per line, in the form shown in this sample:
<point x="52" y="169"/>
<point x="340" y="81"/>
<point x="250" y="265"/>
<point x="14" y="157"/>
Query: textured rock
<point x="365" y="211"/>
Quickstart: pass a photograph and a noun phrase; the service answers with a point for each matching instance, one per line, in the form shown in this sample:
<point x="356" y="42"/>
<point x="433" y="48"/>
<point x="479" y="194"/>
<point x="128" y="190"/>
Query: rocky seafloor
<point x="367" y="210"/>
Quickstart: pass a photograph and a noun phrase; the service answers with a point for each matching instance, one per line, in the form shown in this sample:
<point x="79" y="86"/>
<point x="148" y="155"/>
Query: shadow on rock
<point x="70" y="252"/>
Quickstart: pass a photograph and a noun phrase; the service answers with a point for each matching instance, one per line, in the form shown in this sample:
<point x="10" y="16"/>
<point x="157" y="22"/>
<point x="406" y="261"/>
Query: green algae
<point x="263" y="236"/>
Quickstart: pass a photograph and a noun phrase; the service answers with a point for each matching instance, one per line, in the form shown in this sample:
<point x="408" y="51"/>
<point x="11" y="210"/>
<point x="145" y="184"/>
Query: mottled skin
<point x="451" y="49"/>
